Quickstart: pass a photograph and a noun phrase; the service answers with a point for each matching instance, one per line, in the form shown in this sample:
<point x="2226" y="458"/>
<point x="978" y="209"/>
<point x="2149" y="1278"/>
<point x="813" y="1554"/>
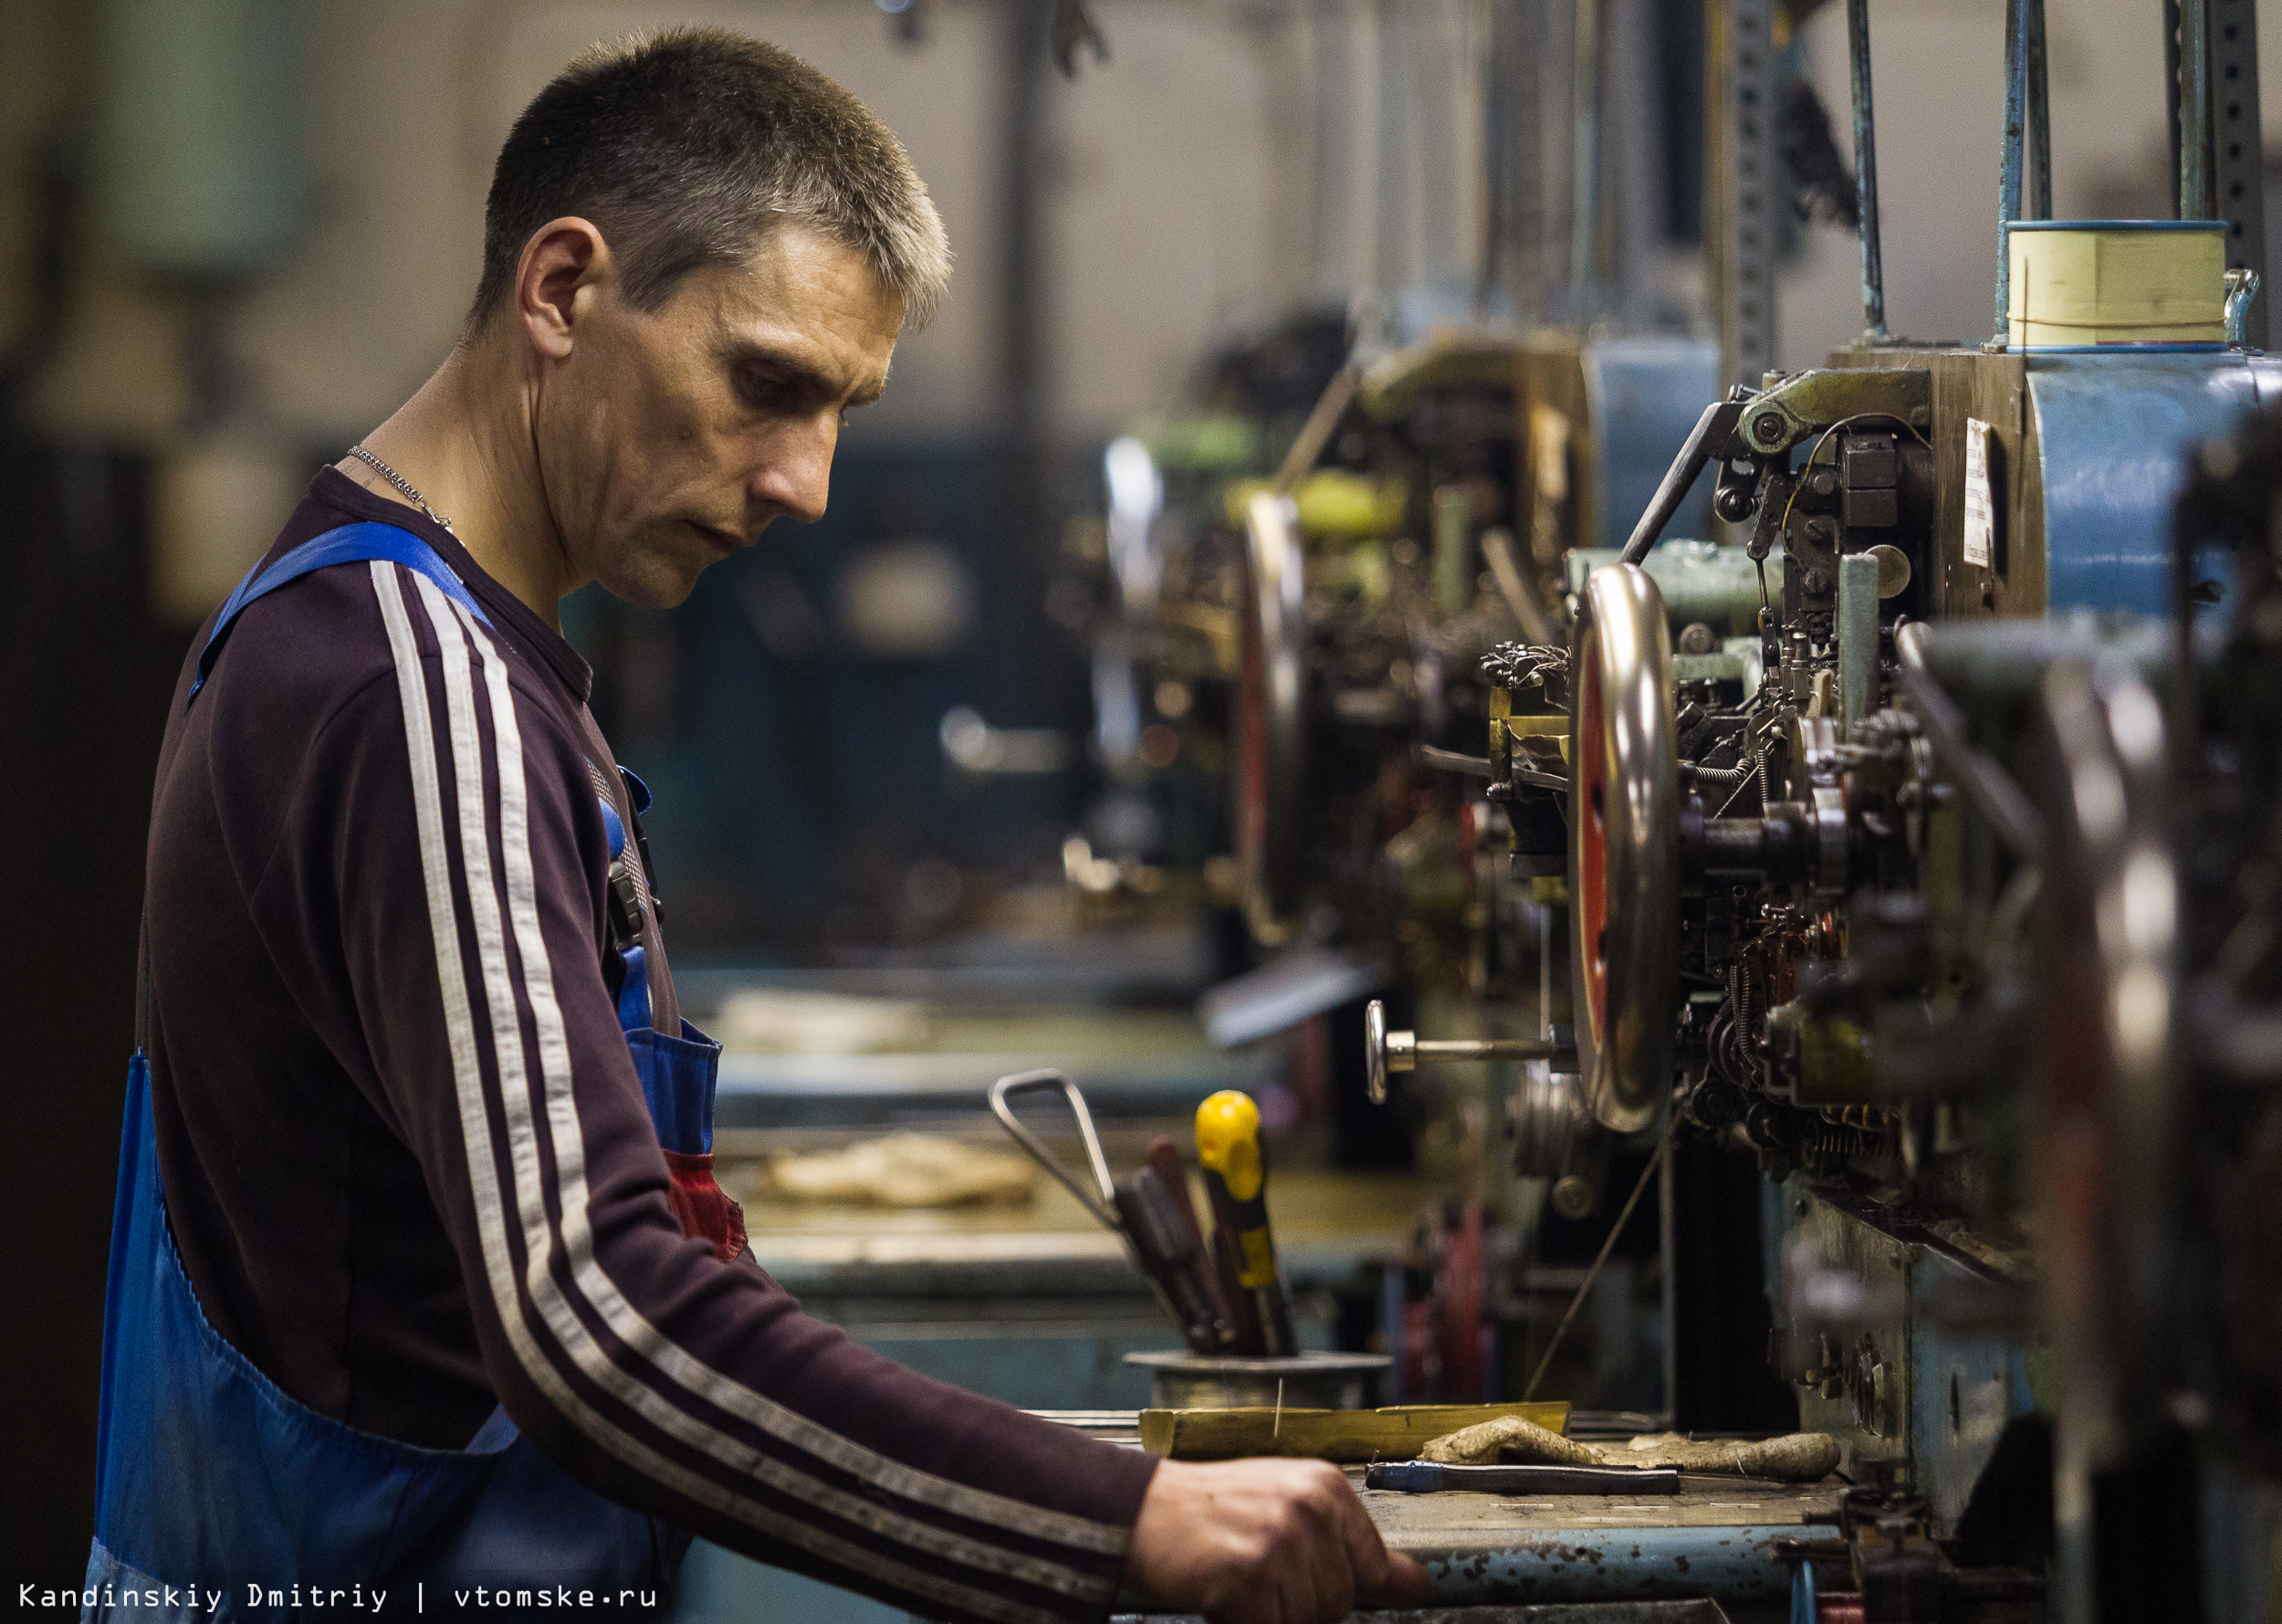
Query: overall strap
<point x="351" y="544"/>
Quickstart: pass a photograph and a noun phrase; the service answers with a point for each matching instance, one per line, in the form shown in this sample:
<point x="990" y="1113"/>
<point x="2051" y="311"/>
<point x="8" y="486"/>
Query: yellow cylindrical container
<point x="2096" y="284"/>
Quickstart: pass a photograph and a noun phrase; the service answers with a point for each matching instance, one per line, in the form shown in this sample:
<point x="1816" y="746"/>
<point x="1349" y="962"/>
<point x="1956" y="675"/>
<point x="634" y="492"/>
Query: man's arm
<point x="450" y="827"/>
<point x="467" y="861"/>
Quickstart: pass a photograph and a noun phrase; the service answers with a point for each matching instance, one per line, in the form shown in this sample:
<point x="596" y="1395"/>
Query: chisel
<point x="1236" y="1177"/>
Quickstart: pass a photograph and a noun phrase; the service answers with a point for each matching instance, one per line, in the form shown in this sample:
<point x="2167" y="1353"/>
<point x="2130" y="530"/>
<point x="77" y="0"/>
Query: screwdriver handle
<point x="1236" y="1177"/>
<point x="1165" y="1157"/>
<point x="1167" y="1248"/>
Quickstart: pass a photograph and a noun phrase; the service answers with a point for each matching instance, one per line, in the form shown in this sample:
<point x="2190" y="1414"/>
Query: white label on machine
<point x="1980" y="509"/>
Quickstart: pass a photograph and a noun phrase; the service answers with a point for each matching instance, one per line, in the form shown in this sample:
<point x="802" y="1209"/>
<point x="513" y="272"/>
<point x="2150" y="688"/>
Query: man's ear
<point x="562" y="257"/>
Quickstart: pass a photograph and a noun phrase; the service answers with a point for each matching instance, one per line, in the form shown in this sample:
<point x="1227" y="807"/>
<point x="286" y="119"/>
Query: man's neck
<point x="464" y="441"/>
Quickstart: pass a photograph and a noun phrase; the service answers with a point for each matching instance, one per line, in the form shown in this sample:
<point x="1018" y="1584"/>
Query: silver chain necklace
<point x="401" y="483"/>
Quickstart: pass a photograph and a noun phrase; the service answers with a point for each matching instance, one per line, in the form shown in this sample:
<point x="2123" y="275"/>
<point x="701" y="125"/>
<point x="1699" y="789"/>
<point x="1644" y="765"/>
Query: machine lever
<point x="1713" y="430"/>
<point x="1385" y="1050"/>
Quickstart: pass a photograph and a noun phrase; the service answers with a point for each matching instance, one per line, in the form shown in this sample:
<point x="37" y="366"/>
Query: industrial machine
<point x="1856" y="778"/>
<point x="1876" y="837"/>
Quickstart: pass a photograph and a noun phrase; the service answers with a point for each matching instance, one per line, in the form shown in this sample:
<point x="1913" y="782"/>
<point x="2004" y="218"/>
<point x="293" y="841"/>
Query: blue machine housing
<point x="2114" y="431"/>
<point x="1644" y="396"/>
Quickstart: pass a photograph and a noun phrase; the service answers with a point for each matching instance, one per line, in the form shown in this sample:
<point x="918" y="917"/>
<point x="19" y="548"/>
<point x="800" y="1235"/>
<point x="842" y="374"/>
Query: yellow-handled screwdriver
<point x="1236" y="1176"/>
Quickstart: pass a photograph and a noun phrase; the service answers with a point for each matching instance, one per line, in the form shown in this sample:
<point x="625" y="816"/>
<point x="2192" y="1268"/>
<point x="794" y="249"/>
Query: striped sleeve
<point x="642" y="1364"/>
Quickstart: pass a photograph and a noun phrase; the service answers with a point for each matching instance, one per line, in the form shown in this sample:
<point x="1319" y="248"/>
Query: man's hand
<point x="1264" y="1542"/>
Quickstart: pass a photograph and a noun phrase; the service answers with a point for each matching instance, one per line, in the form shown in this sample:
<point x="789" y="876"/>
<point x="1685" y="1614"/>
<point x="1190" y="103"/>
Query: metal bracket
<point x="1806" y="403"/>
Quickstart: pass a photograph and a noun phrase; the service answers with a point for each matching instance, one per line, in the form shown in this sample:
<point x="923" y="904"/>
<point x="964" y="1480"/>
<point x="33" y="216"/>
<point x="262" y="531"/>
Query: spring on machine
<point x="1871" y="1118"/>
<point x="1737" y="1062"/>
<point x="1827" y="1146"/>
<point x="1731" y="780"/>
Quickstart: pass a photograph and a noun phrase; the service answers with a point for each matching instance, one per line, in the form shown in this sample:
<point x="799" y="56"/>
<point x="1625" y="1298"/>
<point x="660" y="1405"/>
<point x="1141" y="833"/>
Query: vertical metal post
<point x="1337" y="181"/>
<point x="1025" y="310"/>
<point x="1504" y="80"/>
<point x="2039" y="119"/>
<point x="2170" y="99"/>
<point x="1390" y="258"/>
<point x="1668" y="1266"/>
<point x="2009" y="167"/>
<point x="1437" y="44"/>
<point x="2238" y="157"/>
<point x="1740" y="183"/>
<point x="1585" y="105"/>
<point x="1857" y="637"/>
<point x="2194" y="111"/>
<point x="1866" y="175"/>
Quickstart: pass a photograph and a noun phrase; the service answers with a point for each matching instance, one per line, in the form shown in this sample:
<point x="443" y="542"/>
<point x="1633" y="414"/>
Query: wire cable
<point x="1593" y="1273"/>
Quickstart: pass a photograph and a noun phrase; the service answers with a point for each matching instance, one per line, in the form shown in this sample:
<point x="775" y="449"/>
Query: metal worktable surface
<point x="1713" y="1540"/>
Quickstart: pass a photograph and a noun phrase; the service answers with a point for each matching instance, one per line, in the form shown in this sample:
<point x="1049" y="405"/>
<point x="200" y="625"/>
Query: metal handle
<point x="1707" y="439"/>
<point x="2241" y="286"/>
<point x="1102" y="1206"/>
<point x="1385" y="1051"/>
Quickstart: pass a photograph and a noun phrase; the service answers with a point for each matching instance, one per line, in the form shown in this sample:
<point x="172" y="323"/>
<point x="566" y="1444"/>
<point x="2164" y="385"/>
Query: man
<point x="451" y="1297"/>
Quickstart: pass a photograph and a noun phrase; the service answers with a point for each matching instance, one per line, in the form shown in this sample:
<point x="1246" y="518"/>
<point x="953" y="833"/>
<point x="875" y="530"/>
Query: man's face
<point x="668" y="439"/>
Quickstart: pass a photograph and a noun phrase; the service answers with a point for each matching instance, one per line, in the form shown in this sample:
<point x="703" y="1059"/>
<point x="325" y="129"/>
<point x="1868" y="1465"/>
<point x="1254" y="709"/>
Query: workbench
<point x="1713" y="1540"/>
<point x="1037" y="1305"/>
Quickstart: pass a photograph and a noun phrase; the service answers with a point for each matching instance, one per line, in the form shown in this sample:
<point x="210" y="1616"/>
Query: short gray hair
<point x="685" y="147"/>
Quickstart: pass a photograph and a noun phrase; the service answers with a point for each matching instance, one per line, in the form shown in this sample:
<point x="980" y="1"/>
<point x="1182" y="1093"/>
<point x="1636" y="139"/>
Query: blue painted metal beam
<point x="1728" y="1565"/>
<point x="1874" y="330"/>
<point x="2016" y="28"/>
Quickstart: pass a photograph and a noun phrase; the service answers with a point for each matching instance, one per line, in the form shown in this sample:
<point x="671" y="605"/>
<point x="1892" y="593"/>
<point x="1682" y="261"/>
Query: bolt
<point x="1822" y="482"/>
<point x="1767" y="428"/>
<point x="1573" y="1197"/>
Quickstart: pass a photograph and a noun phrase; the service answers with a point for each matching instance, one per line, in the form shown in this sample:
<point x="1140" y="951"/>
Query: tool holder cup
<point x="1300" y="1381"/>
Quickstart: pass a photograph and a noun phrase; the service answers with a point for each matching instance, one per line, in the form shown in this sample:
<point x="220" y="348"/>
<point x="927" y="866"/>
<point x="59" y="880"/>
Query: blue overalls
<point x="210" y="1480"/>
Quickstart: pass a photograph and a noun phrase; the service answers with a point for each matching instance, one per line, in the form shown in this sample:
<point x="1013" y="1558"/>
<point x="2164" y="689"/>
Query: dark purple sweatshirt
<point x="388" y="1073"/>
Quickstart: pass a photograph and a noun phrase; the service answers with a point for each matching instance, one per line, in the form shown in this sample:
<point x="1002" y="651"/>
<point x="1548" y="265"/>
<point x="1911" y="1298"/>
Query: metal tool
<point x="1236" y="1177"/>
<point x="1151" y="1216"/>
<point x="1385" y="1051"/>
<point x="1428" y="1477"/>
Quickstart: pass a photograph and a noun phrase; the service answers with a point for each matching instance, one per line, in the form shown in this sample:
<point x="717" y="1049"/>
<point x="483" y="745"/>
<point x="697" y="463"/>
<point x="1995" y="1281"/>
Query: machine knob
<point x="1385" y="1051"/>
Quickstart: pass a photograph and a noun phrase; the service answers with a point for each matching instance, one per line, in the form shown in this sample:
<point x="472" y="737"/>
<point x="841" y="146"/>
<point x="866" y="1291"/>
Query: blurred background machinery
<point x="1820" y="931"/>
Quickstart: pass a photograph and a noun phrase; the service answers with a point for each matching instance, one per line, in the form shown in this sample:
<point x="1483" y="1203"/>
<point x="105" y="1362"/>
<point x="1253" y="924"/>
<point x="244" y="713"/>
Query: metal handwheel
<point x="1624" y="846"/>
<point x="1271" y="716"/>
<point x="2114" y="1108"/>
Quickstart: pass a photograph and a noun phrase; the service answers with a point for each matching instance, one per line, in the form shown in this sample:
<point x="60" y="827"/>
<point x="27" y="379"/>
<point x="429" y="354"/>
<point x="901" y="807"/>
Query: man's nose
<point x="795" y="472"/>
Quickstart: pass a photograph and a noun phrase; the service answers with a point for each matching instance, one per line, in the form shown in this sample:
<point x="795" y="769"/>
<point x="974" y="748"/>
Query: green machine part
<point x="1700" y="580"/>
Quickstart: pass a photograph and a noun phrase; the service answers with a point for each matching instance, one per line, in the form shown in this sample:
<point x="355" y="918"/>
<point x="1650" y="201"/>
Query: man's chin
<point x="656" y="584"/>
